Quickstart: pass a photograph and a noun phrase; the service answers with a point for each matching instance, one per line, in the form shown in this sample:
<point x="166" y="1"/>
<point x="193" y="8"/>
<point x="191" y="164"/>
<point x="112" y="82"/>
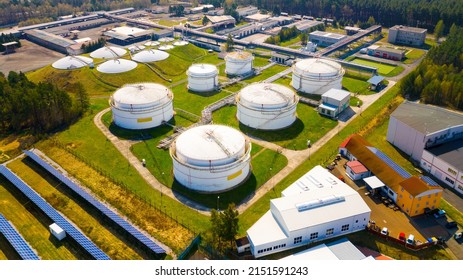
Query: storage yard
<point x="186" y="131"/>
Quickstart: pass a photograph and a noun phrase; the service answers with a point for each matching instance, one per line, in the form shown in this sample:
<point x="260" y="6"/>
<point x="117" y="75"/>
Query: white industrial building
<point x="316" y="207"/>
<point x="432" y="136"/>
<point x="322" y="38"/>
<point x="142" y="106"/>
<point x="203" y="77"/>
<point x="266" y="106"/>
<point x="211" y="158"/>
<point x="339" y="250"/>
<point x="406" y="35"/>
<point x="317" y="75"/>
<point x="334" y="102"/>
<point x="238" y="63"/>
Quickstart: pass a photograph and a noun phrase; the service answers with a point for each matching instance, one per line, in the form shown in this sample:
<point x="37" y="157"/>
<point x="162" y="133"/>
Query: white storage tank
<point x="238" y="63"/>
<point x="317" y="75"/>
<point x="266" y="106"/>
<point x="211" y="158"/>
<point x="203" y="77"/>
<point x="142" y="106"/>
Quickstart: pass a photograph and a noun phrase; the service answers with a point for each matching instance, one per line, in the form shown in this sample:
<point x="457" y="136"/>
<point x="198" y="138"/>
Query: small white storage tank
<point x="266" y="106"/>
<point x="238" y="63"/>
<point x="57" y="231"/>
<point x="317" y="75"/>
<point x="142" y="106"/>
<point x="211" y="158"/>
<point x="203" y="77"/>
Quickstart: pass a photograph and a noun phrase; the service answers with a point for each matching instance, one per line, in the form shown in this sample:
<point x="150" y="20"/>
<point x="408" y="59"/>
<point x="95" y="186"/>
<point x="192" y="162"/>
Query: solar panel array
<point x="429" y="181"/>
<point x="98" y="205"/>
<point x="16" y="240"/>
<point x="70" y="229"/>
<point x="391" y="163"/>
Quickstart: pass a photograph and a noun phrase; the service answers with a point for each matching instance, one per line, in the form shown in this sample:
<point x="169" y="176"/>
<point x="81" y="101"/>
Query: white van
<point x="411" y="239"/>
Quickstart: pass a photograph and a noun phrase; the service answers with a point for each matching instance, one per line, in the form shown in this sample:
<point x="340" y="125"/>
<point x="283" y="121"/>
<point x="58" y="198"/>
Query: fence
<point x="193" y="244"/>
<point x="415" y="247"/>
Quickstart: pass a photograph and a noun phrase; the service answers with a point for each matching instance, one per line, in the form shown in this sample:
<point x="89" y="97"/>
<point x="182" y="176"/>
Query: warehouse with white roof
<point x="316" y="207"/>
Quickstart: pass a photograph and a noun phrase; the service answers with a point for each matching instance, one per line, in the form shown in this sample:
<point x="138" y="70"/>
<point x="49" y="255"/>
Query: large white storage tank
<point x="211" y="158"/>
<point x="203" y="77"/>
<point x="266" y="106"/>
<point x="238" y="63"/>
<point x="317" y="75"/>
<point x="142" y="106"/>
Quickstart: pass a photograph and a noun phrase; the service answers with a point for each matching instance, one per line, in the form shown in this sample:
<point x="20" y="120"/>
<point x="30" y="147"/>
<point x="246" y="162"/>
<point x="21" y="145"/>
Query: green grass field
<point x="267" y="73"/>
<point x="383" y="69"/>
<point x="413" y="55"/>
<point x="308" y="125"/>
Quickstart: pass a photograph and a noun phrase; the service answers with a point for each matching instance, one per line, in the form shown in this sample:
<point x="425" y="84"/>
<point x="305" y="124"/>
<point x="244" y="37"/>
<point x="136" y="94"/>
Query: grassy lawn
<point x="413" y="55"/>
<point x="260" y="61"/>
<point x="85" y="219"/>
<point x="356" y="86"/>
<point x="383" y="69"/>
<point x="32" y="225"/>
<point x="293" y="41"/>
<point x="267" y="73"/>
<point x="308" y="125"/>
<point x="170" y="23"/>
<point x="195" y="102"/>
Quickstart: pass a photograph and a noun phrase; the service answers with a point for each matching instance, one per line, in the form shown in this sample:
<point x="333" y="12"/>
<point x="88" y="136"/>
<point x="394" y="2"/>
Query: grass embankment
<point x="308" y="125"/>
<point x="85" y="218"/>
<point x="413" y="55"/>
<point x="101" y="84"/>
<point x="32" y="225"/>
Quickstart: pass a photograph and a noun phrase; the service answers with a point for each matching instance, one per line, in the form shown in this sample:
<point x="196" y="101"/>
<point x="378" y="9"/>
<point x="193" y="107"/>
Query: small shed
<point x="373" y="184"/>
<point x="10" y="46"/>
<point x="281" y="59"/>
<point x="376" y="82"/>
<point x="356" y="170"/>
<point x="57" y="231"/>
<point x="334" y="102"/>
<point x="242" y="245"/>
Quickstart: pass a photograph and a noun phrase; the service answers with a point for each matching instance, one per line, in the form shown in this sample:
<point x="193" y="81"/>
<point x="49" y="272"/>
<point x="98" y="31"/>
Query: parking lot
<point x="422" y="226"/>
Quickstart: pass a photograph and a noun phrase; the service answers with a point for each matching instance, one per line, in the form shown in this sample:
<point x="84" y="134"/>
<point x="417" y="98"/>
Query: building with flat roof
<point x="304" y="25"/>
<point x="125" y="35"/>
<point x="322" y="38"/>
<point x="334" y="102"/>
<point x="257" y="17"/>
<point x="247" y="11"/>
<point x="433" y="136"/>
<point x="406" y="35"/>
<point x="338" y="250"/>
<point x="49" y="40"/>
<point x="409" y="193"/>
<point x="352" y="30"/>
<point x="222" y="21"/>
<point x="316" y="207"/>
<point x="385" y="52"/>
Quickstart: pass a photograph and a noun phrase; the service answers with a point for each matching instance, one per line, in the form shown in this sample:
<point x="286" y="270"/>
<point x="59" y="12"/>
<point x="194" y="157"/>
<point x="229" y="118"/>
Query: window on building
<point x="416" y="211"/>
<point x="460" y="187"/>
<point x="436" y="194"/>
<point x="411" y="197"/>
<point x="449" y="180"/>
<point x="400" y="196"/>
<point x="401" y="189"/>
<point x="452" y="171"/>
<point x="356" y="221"/>
<point x="329" y="231"/>
<point x="297" y="239"/>
<point x="314" y="235"/>
<point x="345" y="227"/>
<point x="429" y="196"/>
<point x="418" y="205"/>
<point x="419" y="198"/>
<point x="434" y="201"/>
<point x="427" y="203"/>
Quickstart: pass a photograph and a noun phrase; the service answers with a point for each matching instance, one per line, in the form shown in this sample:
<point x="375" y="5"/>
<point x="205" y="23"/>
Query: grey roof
<point x="426" y="118"/>
<point x="51" y="38"/>
<point x="409" y="29"/>
<point x="391" y="50"/>
<point x="450" y="152"/>
<point x="345" y="250"/>
<point x="375" y="80"/>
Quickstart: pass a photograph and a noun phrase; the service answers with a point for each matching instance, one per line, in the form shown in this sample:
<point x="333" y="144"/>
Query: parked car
<point x="402" y="236"/>
<point x="451" y="224"/>
<point x="458" y="235"/>
<point x="440" y="213"/>
<point x="385" y="231"/>
<point x="410" y="239"/>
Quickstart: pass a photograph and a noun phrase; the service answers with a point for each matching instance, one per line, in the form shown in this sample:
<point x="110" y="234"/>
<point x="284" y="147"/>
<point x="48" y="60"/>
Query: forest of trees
<point x="93" y="45"/>
<point x="419" y="13"/>
<point x="39" y="108"/>
<point x="439" y="78"/>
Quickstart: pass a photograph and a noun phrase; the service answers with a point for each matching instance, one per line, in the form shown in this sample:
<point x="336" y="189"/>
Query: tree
<point x="439" y="30"/>
<point x="229" y="43"/>
<point x="224" y="226"/>
<point x="276" y="11"/>
<point x="205" y="20"/>
<point x="304" y="38"/>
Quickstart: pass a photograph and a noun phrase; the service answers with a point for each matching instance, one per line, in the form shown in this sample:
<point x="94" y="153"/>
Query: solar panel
<point x="391" y="163"/>
<point x="16" y="240"/>
<point x="429" y="181"/>
<point x="70" y="229"/>
<point x="146" y="241"/>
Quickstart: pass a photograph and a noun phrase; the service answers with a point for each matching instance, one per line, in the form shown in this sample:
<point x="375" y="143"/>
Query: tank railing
<point x="272" y="111"/>
<point x="140" y="110"/>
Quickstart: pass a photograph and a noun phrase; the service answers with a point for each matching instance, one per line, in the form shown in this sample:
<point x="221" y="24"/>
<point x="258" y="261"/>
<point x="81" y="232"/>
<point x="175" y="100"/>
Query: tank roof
<point x="239" y="55"/>
<point x="317" y="67"/>
<point x="267" y="95"/>
<point x="202" y="69"/>
<point x="210" y="143"/>
<point x="72" y="62"/>
<point x="116" y="66"/>
<point x="140" y="94"/>
<point x="150" y="56"/>
<point x="108" y="52"/>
